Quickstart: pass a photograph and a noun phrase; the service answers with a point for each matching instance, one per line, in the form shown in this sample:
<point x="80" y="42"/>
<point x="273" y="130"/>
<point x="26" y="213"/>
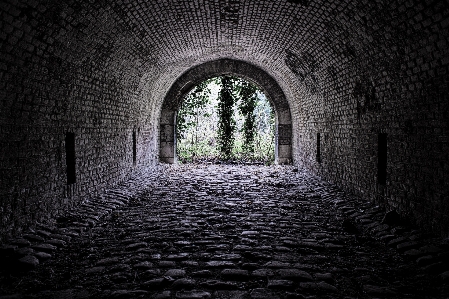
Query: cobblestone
<point x="226" y="232"/>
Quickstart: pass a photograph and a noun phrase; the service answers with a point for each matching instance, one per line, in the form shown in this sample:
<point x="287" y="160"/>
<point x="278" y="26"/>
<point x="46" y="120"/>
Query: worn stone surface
<point x="29" y="262"/>
<point x="223" y="232"/>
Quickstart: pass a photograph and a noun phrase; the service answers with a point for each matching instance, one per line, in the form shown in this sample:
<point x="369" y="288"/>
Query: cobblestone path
<point x="228" y="232"/>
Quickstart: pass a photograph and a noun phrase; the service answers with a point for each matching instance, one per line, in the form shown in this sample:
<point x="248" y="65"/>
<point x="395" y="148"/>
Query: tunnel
<point x="90" y="90"/>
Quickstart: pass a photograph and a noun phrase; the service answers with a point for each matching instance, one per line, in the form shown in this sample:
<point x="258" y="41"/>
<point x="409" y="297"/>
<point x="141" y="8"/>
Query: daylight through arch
<point x="225" y="119"/>
<point x="173" y="99"/>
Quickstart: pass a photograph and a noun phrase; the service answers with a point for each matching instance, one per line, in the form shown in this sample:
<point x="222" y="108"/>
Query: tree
<point x="225" y="117"/>
<point x="226" y="122"/>
<point x="190" y="106"/>
<point x="248" y="102"/>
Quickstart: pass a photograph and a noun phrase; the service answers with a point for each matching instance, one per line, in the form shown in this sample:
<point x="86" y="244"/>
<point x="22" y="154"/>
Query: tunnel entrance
<point x="225" y="67"/>
<point x="225" y="119"/>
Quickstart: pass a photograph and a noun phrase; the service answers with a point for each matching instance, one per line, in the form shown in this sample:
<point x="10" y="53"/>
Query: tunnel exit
<point x="225" y="119"/>
<point x="282" y="123"/>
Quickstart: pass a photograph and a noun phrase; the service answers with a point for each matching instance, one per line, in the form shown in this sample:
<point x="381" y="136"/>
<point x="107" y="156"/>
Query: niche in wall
<point x="318" y="147"/>
<point x="382" y="158"/>
<point x="70" y="157"/>
<point x="134" y="148"/>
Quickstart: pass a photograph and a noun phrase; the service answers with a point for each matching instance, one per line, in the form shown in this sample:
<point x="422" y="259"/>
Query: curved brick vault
<point x="83" y="85"/>
<point x="194" y="76"/>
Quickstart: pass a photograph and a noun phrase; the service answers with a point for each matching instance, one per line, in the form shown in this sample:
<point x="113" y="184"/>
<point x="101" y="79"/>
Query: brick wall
<point x="390" y="77"/>
<point x="63" y="71"/>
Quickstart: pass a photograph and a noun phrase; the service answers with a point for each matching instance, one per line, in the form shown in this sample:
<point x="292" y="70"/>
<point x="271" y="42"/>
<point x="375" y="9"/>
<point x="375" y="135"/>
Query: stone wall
<point x="395" y="85"/>
<point x="62" y="73"/>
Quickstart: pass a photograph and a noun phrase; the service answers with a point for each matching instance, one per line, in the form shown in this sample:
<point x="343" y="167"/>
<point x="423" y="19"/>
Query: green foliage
<point x="226" y="122"/>
<point x="247" y="104"/>
<point x="188" y="114"/>
<point x="247" y="129"/>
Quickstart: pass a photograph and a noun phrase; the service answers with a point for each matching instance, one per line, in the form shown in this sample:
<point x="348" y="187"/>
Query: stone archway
<point x="197" y="74"/>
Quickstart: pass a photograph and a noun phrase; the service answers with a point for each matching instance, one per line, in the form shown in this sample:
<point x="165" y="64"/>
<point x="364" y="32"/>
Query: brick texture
<point x="102" y="69"/>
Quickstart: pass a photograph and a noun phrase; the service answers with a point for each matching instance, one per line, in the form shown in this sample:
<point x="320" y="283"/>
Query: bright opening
<point x="225" y="119"/>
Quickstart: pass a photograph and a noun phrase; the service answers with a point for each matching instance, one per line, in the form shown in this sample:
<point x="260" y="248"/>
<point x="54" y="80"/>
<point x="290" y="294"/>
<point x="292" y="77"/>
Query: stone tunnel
<point x="89" y="93"/>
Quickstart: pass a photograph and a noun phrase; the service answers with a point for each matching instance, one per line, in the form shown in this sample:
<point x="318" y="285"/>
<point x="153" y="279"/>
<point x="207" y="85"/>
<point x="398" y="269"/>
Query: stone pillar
<point x="283" y="144"/>
<point x="167" y="137"/>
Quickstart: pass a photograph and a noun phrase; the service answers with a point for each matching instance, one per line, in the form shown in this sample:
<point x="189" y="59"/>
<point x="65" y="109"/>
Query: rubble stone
<point x="165" y="242"/>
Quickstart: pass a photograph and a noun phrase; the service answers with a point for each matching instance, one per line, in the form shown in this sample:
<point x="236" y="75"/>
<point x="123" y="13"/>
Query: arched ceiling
<point x="197" y="74"/>
<point x="301" y="43"/>
<point x="312" y="48"/>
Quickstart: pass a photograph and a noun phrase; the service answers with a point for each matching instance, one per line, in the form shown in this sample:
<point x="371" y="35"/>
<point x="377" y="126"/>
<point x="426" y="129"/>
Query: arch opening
<point x="225" y="113"/>
<point x="222" y="67"/>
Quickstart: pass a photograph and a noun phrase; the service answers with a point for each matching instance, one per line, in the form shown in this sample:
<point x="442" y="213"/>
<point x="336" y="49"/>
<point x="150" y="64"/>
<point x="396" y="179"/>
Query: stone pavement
<point x="217" y="231"/>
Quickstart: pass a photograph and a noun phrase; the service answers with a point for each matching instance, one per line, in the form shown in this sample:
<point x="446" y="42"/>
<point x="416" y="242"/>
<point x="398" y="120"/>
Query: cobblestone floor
<point x="212" y="231"/>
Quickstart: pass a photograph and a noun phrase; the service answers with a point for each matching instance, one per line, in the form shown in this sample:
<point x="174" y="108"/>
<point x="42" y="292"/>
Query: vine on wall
<point x="226" y="121"/>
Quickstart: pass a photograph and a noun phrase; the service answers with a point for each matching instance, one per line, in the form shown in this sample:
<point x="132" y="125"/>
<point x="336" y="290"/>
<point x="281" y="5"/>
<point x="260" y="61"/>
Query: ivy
<point x="225" y="118"/>
<point x="190" y="110"/>
<point x="226" y="121"/>
<point x="248" y="103"/>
